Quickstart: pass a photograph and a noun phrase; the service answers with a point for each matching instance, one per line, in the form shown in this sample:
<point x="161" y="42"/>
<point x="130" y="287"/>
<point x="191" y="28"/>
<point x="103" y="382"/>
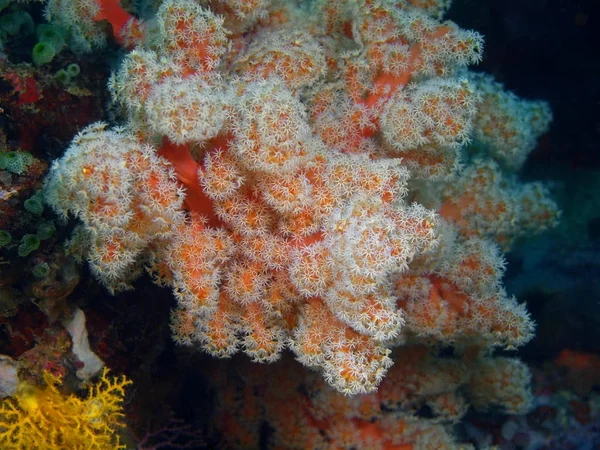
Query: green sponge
<point x="51" y="40"/>
<point x="5" y="238"/>
<point x="45" y="230"/>
<point x="41" y="270"/>
<point x="16" y="22"/>
<point x="34" y="205"/>
<point x="29" y="243"/>
<point x="52" y="35"/>
<point x="43" y="53"/>
<point x="62" y="76"/>
<point x="73" y="70"/>
<point x="15" y="162"/>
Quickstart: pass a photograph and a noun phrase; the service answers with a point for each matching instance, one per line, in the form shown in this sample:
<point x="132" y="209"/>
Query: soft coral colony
<point x="324" y="177"/>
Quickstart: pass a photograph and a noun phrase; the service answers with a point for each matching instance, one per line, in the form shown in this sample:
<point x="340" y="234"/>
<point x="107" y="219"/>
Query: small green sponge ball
<point x="73" y="70"/>
<point x="41" y="270"/>
<point x="62" y="76"/>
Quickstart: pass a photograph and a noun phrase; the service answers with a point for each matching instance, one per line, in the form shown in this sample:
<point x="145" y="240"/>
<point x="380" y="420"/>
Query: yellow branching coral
<point x="38" y="418"/>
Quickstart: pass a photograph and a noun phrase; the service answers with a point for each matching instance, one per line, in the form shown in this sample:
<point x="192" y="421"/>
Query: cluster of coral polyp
<point x="421" y="397"/>
<point x="283" y="168"/>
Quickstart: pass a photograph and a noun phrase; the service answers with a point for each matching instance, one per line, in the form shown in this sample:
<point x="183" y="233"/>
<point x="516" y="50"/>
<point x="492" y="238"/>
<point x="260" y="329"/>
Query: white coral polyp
<point x="186" y="110"/>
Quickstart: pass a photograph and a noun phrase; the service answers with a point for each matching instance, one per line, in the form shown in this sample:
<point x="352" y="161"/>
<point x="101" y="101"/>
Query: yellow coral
<point x="38" y="418"/>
